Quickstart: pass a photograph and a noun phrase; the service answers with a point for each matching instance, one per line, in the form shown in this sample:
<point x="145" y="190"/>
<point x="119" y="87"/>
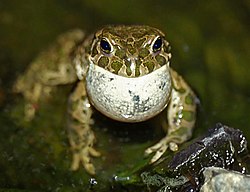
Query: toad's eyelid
<point x="156" y="38"/>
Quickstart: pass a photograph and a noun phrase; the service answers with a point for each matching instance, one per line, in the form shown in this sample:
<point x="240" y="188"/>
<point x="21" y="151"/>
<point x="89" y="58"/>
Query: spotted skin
<point x="131" y="52"/>
<point x="181" y="116"/>
<point x="126" y="51"/>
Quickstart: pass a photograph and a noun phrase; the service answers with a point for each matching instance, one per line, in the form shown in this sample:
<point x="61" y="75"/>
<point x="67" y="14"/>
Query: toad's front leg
<point x="181" y="116"/>
<point x="81" y="137"/>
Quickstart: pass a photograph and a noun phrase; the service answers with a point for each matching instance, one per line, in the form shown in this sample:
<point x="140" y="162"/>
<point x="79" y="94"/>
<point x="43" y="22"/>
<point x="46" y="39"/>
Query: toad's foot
<point x="82" y="152"/>
<point x="160" y="148"/>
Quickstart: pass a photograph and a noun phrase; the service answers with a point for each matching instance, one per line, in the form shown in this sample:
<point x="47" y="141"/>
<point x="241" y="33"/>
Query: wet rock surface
<point x="222" y="146"/>
<point x="221" y="180"/>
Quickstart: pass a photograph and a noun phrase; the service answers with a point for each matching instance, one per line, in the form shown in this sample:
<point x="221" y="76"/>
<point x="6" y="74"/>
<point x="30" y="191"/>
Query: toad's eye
<point x="105" y="46"/>
<point x="157" y="44"/>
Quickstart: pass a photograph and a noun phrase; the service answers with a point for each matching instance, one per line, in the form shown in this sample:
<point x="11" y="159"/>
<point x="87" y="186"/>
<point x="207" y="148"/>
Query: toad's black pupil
<point x="157" y="45"/>
<point x="105" y="45"/>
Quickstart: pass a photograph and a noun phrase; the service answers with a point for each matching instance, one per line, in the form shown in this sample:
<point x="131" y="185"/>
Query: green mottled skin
<point x="129" y="42"/>
<point x="131" y="55"/>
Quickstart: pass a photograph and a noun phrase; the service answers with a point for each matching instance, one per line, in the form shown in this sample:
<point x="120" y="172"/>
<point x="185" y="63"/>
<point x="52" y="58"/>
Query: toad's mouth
<point x="128" y="99"/>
